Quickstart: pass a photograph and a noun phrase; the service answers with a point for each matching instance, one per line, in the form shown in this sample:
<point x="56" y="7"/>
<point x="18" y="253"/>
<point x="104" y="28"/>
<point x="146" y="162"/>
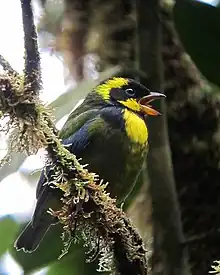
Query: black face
<point x="133" y="90"/>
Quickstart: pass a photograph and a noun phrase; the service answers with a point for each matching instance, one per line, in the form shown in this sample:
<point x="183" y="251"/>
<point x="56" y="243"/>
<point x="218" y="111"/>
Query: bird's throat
<point x="135" y="127"/>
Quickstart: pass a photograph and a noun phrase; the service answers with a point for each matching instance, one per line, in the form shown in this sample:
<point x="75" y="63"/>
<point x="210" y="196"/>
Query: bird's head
<point x="128" y="93"/>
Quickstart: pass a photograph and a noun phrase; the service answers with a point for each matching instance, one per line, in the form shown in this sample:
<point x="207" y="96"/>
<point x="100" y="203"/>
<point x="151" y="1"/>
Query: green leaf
<point x="8" y="230"/>
<point x="198" y="26"/>
<point x="74" y="264"/>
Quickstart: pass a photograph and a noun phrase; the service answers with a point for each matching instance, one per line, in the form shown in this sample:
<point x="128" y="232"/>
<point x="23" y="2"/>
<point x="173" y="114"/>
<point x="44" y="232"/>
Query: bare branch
<point x="32" y="71"/>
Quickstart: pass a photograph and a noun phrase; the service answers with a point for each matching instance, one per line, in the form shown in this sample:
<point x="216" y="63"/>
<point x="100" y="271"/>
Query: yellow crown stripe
<point x="105" y="88"/>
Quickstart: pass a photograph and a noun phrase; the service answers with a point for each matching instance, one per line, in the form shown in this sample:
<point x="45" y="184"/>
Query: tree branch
<point x="7" y="67"/>
<point x="166" y="215"/>
<point x="32" y="71"/>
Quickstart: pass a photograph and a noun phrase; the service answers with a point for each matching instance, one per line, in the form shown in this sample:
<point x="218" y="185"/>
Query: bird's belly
<point x="116" y="161"/>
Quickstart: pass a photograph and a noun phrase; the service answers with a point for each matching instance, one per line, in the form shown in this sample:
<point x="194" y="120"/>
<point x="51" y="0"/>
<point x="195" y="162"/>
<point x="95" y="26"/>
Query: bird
<point x="108" y="131"/>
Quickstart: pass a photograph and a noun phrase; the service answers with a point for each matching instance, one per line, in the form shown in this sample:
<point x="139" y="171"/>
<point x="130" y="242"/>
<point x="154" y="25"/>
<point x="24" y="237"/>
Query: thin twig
<point x="7" y="67"/>
<point x="32" y="71"/>
<point x="202" y="238"/>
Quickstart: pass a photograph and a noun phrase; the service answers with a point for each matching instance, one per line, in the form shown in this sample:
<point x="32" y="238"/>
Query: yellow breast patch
<point x="135" y="127"/>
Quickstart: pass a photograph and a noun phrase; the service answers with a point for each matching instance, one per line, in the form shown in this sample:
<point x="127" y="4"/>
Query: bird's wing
<point x="46" y="196"/>
<point x="72" y="125"/>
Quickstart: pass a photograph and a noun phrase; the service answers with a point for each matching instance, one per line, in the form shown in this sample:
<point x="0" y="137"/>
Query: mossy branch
<point x="87" y="210"/>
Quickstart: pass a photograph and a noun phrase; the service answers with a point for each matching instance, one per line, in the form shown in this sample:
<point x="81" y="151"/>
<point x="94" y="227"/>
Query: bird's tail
<point x="31" y="237"/>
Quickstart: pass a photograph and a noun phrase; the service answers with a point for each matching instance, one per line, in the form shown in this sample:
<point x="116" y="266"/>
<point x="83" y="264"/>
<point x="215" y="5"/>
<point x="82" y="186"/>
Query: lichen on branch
<point x="25" y="116"/>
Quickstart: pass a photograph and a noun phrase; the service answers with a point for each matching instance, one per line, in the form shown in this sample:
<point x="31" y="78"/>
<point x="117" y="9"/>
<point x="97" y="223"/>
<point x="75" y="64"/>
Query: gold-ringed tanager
<point x="109" y="133"/>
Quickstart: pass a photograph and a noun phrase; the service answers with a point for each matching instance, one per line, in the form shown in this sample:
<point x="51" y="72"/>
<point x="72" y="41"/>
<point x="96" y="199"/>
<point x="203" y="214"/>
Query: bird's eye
<point x="130" y="92"/>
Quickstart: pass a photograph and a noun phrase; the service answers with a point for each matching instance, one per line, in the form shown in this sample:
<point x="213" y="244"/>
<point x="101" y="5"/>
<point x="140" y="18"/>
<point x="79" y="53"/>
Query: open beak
<point x="144" y="103"/>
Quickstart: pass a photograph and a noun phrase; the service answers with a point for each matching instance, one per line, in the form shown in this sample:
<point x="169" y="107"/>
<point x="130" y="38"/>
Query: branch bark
<point x="32" y="70"/>
<point x="168" y="251"/>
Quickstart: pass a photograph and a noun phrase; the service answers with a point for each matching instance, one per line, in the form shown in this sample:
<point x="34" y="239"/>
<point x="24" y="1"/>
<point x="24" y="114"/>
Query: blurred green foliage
<point x="198" y="26"/>
<point x="8" y="230"/>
